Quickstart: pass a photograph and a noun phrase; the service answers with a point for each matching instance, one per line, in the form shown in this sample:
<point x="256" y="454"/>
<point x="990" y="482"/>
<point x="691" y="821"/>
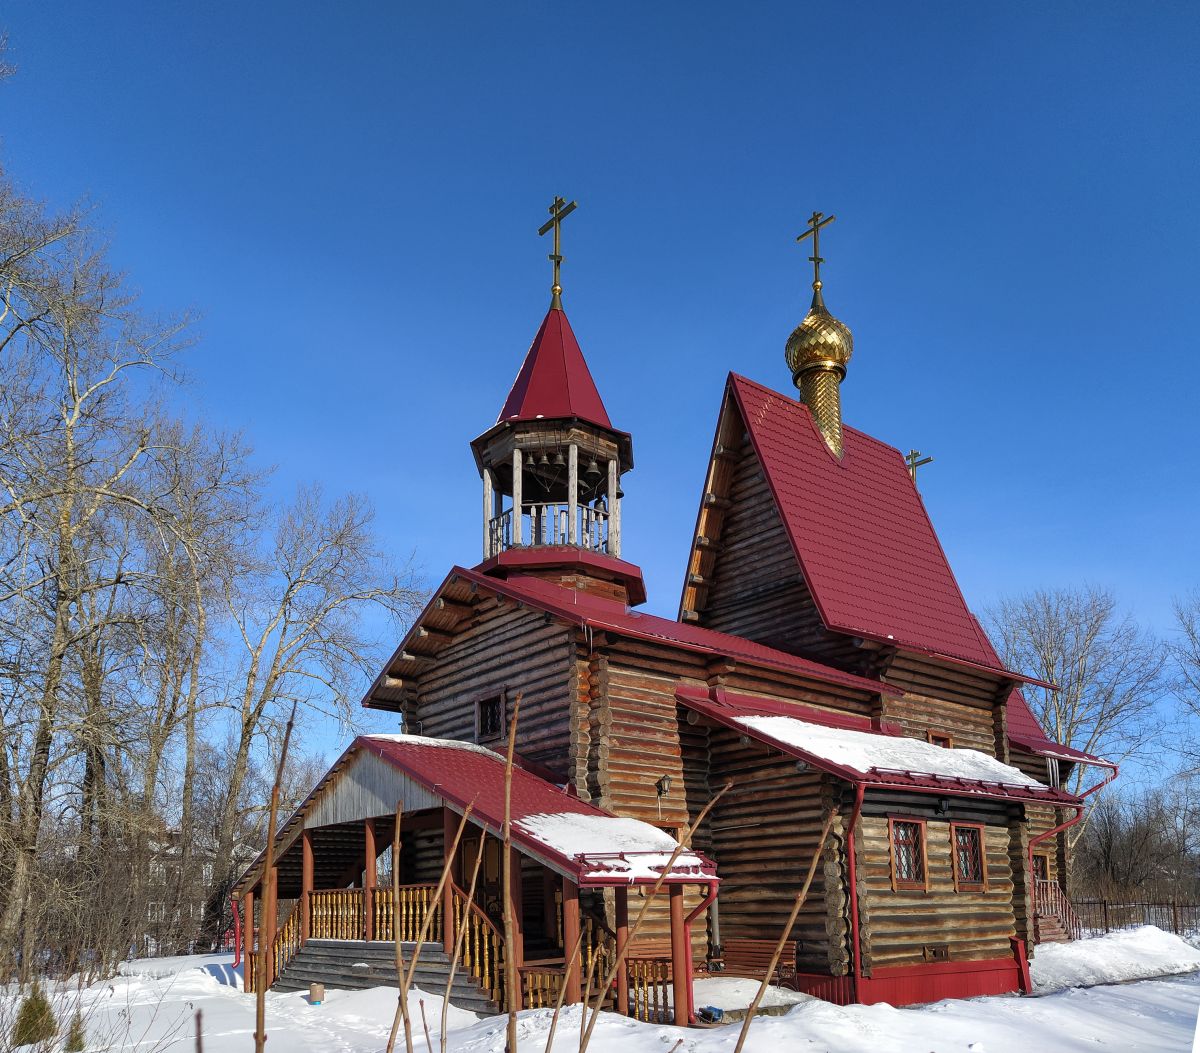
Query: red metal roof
<point x="463" y="774"/>
<point x="554" y="380"/>
<point x="727" y="709"/>
<point x="589" y="610"/>
<point x="861" y="534"/>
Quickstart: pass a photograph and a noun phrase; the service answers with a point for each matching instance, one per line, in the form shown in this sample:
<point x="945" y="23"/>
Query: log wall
<point x="506" y="648"/>
<point x="898" y="925"/>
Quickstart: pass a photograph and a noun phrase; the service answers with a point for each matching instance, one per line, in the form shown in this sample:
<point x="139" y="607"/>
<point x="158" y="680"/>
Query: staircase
<point x="357" y="965"/>
<point x="1054" y="918"/>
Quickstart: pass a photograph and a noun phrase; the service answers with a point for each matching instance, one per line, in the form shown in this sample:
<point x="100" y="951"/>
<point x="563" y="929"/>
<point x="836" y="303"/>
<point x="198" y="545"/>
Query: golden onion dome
<point x="819" y="342"/>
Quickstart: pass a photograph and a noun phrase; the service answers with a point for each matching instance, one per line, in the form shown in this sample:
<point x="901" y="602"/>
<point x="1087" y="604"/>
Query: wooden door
<point x="1041" y="867"/>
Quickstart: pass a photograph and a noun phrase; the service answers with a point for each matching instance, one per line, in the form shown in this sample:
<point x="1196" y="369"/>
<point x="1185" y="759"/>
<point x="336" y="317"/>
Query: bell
<point x="559" y="460"/>
<point x="544" y="460"/>
<point x="593" y="469"/>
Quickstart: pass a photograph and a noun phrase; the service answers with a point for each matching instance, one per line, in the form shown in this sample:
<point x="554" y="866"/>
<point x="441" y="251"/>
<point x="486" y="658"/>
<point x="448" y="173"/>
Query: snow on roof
<point x="866" y="752"/>
<point x="610" y="846"/>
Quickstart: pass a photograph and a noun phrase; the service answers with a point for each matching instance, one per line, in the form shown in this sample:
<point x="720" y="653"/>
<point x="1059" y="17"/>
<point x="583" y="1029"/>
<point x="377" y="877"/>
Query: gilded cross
<point x="914" y="460"/>
<point x="815" y="222"/>
<point x="560" y="208"/>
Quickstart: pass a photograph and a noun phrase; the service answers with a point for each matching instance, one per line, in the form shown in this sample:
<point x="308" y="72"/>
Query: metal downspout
<point x="707" y="902"/>
<point x="859" y="792"/>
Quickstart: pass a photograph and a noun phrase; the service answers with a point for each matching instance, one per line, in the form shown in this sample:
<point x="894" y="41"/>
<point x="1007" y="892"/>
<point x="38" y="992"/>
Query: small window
<point x="908" y="854"/>
<point x="489" y="718"/>
<point x="940" y="739"/>
<point x="155" y="911"/>
<point x="970" y="875"/>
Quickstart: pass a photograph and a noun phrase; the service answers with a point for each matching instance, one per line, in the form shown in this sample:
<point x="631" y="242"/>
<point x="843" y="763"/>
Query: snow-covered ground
<point x="152" y="1007"/>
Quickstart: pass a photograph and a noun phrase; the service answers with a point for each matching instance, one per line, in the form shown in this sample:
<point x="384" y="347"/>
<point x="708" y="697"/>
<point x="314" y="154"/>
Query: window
<point x="970" y="874"/>
<point x="158" y="874"/>
<point x="155" y="911"/>
<point x="489" y="718"/>
<point x="940" y="739"/>
<point x="1041" y="866"/>
<point x="908" y="854"/>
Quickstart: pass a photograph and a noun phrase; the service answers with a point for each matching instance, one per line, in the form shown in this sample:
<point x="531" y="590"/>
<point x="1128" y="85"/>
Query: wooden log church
<point x="824" y="663"/>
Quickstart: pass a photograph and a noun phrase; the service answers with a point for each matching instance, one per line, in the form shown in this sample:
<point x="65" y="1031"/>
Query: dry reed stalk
<point x="402" y="998"/>
<point x="510" y="965"/>
<point x="459" y="938"/>
<point x="801" y="896"/>
<point x="587" y="997"/>
<point x="623" y="953"/>
<point x="268" y="900"/>
<point x="425" y="1025"/>
<point x="562" y="990"/>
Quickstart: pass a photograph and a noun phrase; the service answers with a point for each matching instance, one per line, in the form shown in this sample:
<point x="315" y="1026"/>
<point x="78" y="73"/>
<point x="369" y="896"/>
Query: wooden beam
<point x="409" y="656"/>
<point x="681" y="959"/>
<point x="711" y="500"/>
<point x="727" y="453"/>
<point x="307" y="868"/>
<point x="461" y="610"/>
<point x="690" y="615"/>
<point x="622" y="921"/>
<point x="706" y="543"/>
<point x="248" y="949"/>
<point x="434" y="635"/>
<point x="696" y="581"/>
<point x="370" y="858"/>
<point x="570" y="902"/>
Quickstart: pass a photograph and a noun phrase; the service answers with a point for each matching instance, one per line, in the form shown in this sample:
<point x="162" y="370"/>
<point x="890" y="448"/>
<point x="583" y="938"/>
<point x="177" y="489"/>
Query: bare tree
<point x="1109" y="671"/>
<point x="303" y="618"/>
<point x="1184" y="648"/>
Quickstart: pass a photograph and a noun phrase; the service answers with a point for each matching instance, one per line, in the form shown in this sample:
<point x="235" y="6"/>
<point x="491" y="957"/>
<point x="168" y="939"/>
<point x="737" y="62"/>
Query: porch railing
<point x="403" y="920"/>
<point x="482" y="946"/>
<point x="1051" y="901"/>
<point x="542" y="981"/>
<point x="650" y="990"/>
<point x="337" y="914"/>
<point x="287" y="941"/>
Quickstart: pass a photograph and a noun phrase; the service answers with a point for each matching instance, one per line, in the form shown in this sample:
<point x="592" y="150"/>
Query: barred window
<point x="489" y="718"/>
<point x="908" y="854"/>
<point x="968" y="857"/>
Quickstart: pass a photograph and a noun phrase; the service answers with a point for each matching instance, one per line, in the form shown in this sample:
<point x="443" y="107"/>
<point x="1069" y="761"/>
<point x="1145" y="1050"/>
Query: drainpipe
<point x="860" y="790"/>
<point x="709" y="899"/>
<point x="237" y="932"/>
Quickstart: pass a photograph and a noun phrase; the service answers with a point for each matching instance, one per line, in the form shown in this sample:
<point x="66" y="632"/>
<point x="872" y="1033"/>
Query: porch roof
<point x="864" y="754"/>
<point x="586" y="844"/>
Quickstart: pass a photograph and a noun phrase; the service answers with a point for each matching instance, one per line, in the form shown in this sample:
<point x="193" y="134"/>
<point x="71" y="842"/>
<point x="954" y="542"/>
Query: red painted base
<point x="914" y="984"/>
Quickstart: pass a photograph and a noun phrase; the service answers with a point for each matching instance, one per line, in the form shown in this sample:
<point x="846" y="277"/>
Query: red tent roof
<point x="554" y="380"/>
<point x="861" y="534"/>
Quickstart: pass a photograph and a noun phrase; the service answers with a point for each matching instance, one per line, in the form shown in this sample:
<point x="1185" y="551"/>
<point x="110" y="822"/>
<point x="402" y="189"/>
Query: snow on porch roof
<point x="878" y="758"/>
<point x="591" y="846"/>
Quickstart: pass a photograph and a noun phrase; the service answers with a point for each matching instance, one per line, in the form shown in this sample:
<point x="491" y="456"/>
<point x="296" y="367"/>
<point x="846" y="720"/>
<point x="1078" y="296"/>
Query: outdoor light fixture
<point x="663" y="786"/>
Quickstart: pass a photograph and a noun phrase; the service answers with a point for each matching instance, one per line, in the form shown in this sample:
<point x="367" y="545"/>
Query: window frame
<point x="502" y="700"/>
<point x="903" y="884"/>
<point x="931" y="735"/>
<point x="981" y="832"/>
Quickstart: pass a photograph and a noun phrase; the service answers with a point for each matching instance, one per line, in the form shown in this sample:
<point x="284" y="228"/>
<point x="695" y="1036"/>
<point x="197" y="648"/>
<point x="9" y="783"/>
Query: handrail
<point x="416" y="901"/>
<point x="650" y="989"/>
<point x="337" y="914"/>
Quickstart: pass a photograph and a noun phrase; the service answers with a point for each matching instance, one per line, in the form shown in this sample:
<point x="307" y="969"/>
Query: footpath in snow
<point x="152" y="1006"/>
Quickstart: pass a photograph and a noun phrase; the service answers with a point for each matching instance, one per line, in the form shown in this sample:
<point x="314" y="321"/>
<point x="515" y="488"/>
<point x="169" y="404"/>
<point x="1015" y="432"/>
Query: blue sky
<point x="350" y="194"/>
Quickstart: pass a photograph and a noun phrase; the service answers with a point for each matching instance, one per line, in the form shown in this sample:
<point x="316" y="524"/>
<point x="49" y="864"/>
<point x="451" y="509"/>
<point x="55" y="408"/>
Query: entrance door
<point x="488" y="887"/>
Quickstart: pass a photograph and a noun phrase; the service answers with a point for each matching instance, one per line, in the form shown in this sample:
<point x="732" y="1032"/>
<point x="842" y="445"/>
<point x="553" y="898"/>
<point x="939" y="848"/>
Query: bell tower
<point x="551" y="465"/>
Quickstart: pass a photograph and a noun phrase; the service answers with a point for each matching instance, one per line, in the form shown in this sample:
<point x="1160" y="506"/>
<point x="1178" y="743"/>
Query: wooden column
<point x="517" y="500"/>
<point x="570" y="901"/>
<point x="488" y="505"/>
<point x="371" y="857"/>
<point x="449" y="829"/>
<point x="307" y="868"/>
<point x="681" y="958"/>
<point x="614" y="519"/>
<point x="622" y="921"/>
<point x="550" y="885"/>
<point x="516" y="899"/>
<point x="572" y="497"/>
<point x="271" y="908"/>
<point x="248" y="949"/>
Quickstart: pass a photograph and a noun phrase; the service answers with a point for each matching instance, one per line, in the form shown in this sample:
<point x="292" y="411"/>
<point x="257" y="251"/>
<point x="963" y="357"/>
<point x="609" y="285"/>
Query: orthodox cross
<point x="914" y="460"/>
<point x="560" y="208"/>
<point x="815" y="222"/>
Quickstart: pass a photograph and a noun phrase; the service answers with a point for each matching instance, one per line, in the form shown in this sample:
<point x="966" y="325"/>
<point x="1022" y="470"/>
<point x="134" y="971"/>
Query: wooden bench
<point x="744" y="957"/>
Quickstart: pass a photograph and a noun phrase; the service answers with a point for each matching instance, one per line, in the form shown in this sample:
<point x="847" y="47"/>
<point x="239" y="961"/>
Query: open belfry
<point x="825" y="693"/>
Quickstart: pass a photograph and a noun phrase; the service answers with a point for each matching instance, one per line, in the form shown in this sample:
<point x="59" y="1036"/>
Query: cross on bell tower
<point x="560" y="208"/>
